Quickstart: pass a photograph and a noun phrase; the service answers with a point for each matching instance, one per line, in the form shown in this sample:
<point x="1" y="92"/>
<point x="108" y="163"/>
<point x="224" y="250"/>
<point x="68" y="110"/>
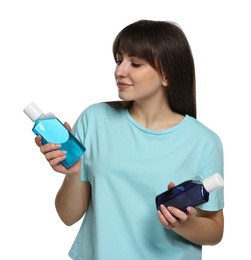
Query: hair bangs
<point x="133" y="42"/>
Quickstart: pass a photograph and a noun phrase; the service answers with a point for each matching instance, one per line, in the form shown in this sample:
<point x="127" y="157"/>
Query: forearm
<point x="203" y="229"/>
<point x="72" y="199"/>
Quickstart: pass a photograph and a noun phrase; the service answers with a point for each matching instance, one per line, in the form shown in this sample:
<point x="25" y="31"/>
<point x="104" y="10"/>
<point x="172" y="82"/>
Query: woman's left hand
<point x="171" y="217"/>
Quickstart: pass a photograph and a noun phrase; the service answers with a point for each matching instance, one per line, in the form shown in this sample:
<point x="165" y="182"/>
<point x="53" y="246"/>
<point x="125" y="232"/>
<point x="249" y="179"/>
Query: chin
<point x="124" y="97"/>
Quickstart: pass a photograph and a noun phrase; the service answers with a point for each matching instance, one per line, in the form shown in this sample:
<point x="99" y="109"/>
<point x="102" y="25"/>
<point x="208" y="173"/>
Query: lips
<point x="123" y="85"/>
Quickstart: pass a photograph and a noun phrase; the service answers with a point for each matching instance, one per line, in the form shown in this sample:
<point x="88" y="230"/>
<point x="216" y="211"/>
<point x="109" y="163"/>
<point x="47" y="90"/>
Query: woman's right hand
<point x="55" y="156"/>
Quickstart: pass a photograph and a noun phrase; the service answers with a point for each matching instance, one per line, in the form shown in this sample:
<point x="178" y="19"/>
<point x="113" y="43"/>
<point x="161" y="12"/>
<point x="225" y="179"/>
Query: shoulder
<point x="95" y="107"/>
<point x="99" y="112"/>
<point x="200" y="130"/>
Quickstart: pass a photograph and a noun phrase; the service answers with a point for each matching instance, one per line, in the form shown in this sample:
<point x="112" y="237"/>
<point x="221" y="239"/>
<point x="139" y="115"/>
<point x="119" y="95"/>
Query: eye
<point x="136" y="62"/>
<point x="118" y="58"/>
<point x="118" y="62"/>
<point x="135" y="65"/>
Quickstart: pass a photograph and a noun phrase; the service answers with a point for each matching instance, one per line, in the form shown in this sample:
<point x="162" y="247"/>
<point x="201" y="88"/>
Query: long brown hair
<point x="165" y="47"/>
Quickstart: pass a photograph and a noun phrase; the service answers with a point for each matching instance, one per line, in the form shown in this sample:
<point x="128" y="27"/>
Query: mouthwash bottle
<point x="52" y="130"/>
<point x="190" y="193"/>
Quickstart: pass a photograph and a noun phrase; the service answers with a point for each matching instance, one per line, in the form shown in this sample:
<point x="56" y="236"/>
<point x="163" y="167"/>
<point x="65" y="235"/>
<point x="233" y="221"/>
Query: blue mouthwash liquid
<point x="52" y="130"/>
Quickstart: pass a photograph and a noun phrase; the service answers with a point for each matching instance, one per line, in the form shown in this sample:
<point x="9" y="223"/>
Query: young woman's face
<point x="136" y="79"/>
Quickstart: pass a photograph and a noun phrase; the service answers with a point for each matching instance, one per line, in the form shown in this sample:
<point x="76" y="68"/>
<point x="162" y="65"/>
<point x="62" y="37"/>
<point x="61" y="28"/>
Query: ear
<point x="165" y="81"/>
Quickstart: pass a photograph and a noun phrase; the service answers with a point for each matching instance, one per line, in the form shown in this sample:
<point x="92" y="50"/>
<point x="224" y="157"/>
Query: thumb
<point x="67" y="126"/>
<point x="170" y="185"/>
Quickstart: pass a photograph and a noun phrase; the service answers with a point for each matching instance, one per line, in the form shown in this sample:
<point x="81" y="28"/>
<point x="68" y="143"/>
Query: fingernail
<point x="162" y="206"/>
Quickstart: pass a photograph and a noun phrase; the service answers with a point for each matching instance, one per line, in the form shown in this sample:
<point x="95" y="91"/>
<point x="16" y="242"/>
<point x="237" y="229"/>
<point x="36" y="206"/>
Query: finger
<point x="38" y="140"/>
<point x="56" y="161"/>
<point x="54" y="154"/>
<point x="178" y="214"/>
<point x="164" y="221"/>
<point x="191" y="211"/>
<point x="170" y="185"/>
<point x="57" y="166"/>
<point x="168" y="216"/>
<point x="60" y="168"/>
<point x="49" y="147"/>
<point x="67" y="126"/>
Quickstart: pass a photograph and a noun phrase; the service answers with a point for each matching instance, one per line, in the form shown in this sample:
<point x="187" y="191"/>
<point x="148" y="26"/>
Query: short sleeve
<point x="212" y="161"/>
<point x="79" y="130"/>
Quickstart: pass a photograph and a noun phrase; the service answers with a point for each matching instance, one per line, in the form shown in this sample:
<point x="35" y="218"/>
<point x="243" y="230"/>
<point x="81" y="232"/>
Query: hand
<point x="55" y="156"/>
<point x="171" y="217"/>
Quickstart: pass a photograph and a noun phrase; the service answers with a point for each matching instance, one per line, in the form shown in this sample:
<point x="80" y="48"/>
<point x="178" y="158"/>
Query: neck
<point x="155" y="117"/>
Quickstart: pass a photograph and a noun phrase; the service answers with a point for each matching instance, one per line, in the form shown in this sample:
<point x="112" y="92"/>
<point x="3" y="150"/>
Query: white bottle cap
<point x="33" y="111"/>
<point x="213" y="182"/>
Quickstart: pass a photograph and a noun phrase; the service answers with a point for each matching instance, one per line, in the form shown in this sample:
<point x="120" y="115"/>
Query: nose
<point x="121" y="70"/>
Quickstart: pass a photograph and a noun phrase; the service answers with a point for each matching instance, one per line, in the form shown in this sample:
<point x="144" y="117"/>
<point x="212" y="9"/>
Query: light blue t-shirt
<point x="127" y="165"/>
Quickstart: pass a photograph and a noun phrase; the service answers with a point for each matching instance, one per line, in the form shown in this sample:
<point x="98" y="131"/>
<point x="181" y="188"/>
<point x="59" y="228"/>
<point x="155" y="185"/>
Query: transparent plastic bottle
<point x="193" y="192"/>
<point x="52" y="130"/>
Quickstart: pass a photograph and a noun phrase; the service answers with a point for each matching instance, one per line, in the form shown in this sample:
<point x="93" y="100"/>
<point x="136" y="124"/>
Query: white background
<point x="58" y="54"/>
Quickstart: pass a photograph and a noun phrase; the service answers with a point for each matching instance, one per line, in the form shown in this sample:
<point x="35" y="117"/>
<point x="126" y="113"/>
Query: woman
<point x="136" y="146"/>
